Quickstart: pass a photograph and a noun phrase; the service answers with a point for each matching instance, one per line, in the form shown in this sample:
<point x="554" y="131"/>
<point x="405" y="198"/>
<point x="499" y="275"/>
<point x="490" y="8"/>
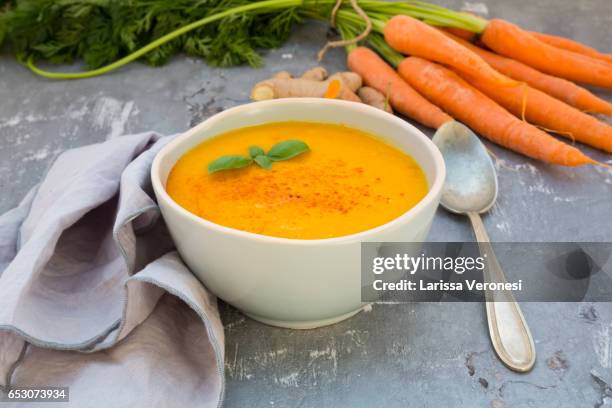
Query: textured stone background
<point x="420" y="355"/>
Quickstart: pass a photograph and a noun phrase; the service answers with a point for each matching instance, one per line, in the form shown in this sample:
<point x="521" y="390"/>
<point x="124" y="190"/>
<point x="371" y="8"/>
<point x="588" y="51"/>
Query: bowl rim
<point x="434" y="190"/>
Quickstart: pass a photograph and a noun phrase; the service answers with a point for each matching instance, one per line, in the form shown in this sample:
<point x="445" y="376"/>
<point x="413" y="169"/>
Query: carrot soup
<point x="347" y="182"/>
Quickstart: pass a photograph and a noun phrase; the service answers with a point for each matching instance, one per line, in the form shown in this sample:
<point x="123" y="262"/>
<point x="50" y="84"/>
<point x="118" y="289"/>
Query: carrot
<point x="447" y="90"/>
<point x="511" y="41"/>
<point x="411" y="36"/>
<point x="377" y="74"/>
<point x="542" y="109"/>
<point x="571" y="45"/>
<point x="460" y="32"/>
<point x="561" y="89"/>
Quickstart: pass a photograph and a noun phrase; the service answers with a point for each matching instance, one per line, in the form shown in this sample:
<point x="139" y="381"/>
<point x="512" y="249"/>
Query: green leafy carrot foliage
<point x="101" y="31"/>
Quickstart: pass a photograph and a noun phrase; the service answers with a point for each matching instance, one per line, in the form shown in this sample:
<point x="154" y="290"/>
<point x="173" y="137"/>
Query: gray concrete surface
<point x="415" y="355"/>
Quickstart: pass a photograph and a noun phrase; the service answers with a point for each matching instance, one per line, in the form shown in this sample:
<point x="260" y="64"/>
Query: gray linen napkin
<point x="92" y="295"/>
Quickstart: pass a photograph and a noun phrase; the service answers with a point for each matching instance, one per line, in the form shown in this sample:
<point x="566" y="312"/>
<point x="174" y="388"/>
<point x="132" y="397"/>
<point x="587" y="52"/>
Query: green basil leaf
<point x="229" y="162"/>
<point x="255" y="151"/>
<point x="287" y="149"/>
<point x="263" y="161"/>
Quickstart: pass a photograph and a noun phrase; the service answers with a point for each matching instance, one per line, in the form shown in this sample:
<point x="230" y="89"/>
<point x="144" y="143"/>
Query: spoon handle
<point x="509" y="332"/>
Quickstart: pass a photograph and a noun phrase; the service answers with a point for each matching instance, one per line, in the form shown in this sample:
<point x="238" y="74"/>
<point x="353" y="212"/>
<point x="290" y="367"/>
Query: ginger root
<point x="374" y="98"/>
<point x="309" y="85"/>
<point x="288" y="88"/>
<point x="343" y="85"/>
<point x="283" y="75"/>
<point x="351" y="79"/>
<point x="315" y="83"/>
<point x="316" y="74"/>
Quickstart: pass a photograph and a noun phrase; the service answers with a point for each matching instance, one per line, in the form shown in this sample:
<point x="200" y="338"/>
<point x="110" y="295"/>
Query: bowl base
<point x="305" y="325"/>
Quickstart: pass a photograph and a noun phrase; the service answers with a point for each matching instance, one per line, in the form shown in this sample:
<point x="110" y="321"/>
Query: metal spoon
<point x="471" y="188"/>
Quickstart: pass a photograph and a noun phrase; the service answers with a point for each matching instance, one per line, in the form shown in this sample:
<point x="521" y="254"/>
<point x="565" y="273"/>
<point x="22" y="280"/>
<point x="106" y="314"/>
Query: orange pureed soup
<point x="349" y="181"/>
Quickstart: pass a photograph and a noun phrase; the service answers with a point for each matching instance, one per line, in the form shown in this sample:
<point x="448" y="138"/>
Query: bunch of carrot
<point x="510" y="85"/>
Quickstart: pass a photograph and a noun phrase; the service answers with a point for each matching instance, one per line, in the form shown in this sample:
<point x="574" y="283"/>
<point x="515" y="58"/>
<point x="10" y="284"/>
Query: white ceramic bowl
<point x="289" y="282"/>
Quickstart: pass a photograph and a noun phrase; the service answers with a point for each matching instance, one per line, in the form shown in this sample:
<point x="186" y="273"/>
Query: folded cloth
<point x="92" y="294"/>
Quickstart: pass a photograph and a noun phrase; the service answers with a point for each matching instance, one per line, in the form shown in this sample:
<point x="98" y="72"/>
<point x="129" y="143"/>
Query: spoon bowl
<point x="471" y="182"/>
